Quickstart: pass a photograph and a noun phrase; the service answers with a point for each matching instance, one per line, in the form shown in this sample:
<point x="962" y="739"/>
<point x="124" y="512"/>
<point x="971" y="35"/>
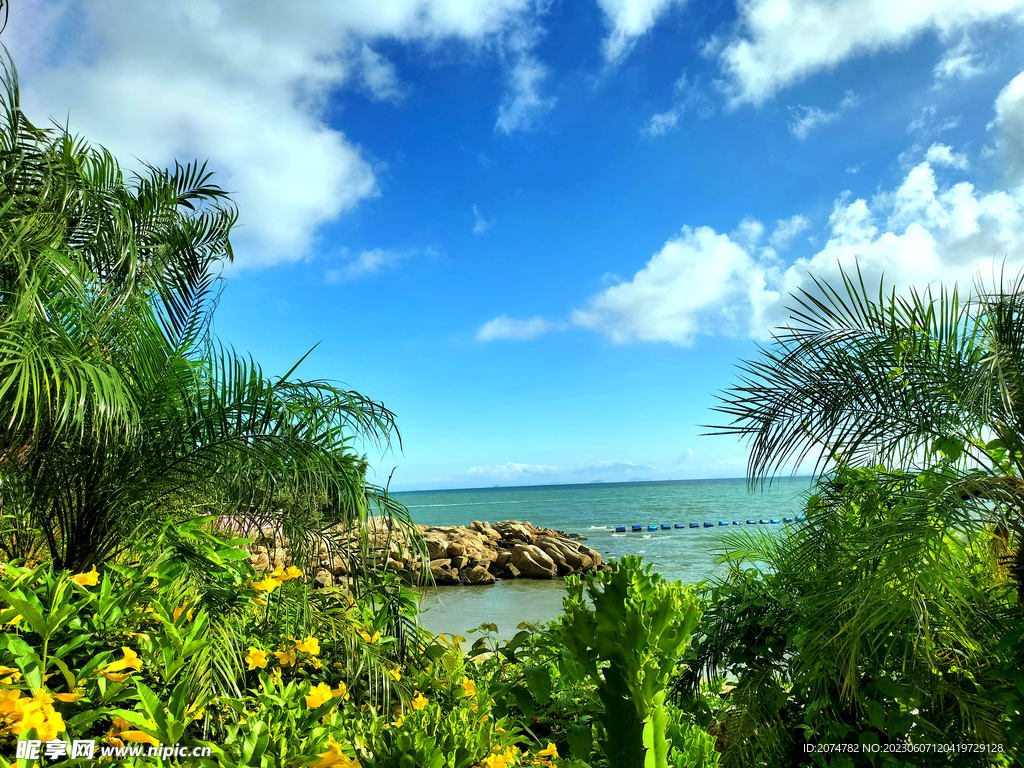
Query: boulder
<point x="437" y="548"/>
<point x="511" y="572"/>
<point x="441" y="572"/>
<point x="456" y="548"/>
<point x="323" y="578"/>
<point x="533" y="562"/>
<point x="477" y="575"/>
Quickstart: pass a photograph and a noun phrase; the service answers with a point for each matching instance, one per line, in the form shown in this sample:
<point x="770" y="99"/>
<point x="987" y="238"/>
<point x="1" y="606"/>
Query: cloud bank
<point x="782" y="42"/>
<point x="247" y="86"/>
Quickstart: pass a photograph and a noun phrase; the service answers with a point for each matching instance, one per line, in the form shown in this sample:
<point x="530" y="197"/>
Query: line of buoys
<point x="669" y="526"/>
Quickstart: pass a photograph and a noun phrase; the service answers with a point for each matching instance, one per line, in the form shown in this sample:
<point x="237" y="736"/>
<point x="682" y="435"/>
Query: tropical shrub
<point x="624" y="636"/>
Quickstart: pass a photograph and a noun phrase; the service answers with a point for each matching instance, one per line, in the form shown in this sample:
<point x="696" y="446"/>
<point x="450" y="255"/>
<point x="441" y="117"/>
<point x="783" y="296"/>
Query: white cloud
<point x="785" y="41"/>
<point x="806" y="119"/>
<point x="507" y="328"/>
<point x="480" y="224"/>
<point x="925" y="124"/>
<point x="853" y="168"/>
<point x="787" y="229"/>
<point x="523" y="105"/>
<point x="365" y="264"/>
<point x="943" y="154"/>
<point x="960" y="62"/>
<point x="628" y="20"/>
<point x="703" y="282"/>
<point x="379" y="77"/>
<point x="243" y="85"/>
<point x="513" y="472"/>
<point x="1009" y="123"/>
<point x="687" y="98"/>
<point x="921" y="232"/>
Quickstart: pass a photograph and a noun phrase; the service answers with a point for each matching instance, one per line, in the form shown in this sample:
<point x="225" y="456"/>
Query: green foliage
<point x="121" y="409"/>
<point x="627" y="645"/>
<point x="872" y="624"/>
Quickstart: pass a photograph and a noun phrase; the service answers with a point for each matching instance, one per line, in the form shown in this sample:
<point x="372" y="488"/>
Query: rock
<point x="472" y="554"/>
<point x="533" y="562"/>
<point x="442" y="572"/>
<point x="437" y="548"/>
<point x="260" y="561"/>
<point x="515" y="530"/>
<point x="456" y="548"/>
<point x="477" y="575"/>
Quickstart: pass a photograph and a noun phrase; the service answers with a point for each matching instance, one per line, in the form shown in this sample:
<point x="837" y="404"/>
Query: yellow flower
<point x="419" y="701"/>
<point x="310" y="645"/>
<point x="8" y="700"/>
<point x="333" y="758"/>
<point x="89" y="579"/>
<point x="318" y="694"/>
<point x="177" y="612"/>
<point x="13" y="675"/>
<point x="68" y="698"/>
<point x="315" y="663"/>
<point x="285" y="658"/>
<point x="139" y="737"/>
<point x="260" y="602"/>
<point x="494" y="761"/>
<point x="395" y="674"/>
<point x="342" y="690"/>
<point x="367" y="636"/>
<point x="37" y="713"/>
<point x="256" y="658"/>
<point x="549" y="751"/>
<point x="131" y="659"/>
<point x="398" y="723"/>
<point x="291" y="572"/>
<point x="115" y="677"/>
<point x="269" y="584"/>
<point x="14" y="621"/>
<point x="469" y="687"/>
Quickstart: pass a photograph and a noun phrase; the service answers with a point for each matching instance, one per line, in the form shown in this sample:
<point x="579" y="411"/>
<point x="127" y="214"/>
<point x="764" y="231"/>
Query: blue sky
<point x="543" y="233"/>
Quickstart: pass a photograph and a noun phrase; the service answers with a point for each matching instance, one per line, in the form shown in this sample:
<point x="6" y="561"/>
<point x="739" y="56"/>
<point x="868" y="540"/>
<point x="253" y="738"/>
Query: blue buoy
<point x="762" y="521"/>
<point x="620" y="529"/>
<point x="788" y="519"/>
<point x="751" y="522"/>
<point x="680" y="525"/>
<point x="638" y="527"/>
<point x="695" y="525"/>
<point x="652" y="527"/>
<point x="709" y="525"/>
<point x="723" y="522"/>
<point x="666" y="527"/>
<point x="799" y="517"/>
<point x="774" y="521"/>
<point x="735" y="522"/>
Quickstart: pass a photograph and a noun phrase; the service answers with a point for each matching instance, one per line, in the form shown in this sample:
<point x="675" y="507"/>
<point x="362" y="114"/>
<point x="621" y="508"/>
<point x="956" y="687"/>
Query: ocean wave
<point x="599" y="527"/>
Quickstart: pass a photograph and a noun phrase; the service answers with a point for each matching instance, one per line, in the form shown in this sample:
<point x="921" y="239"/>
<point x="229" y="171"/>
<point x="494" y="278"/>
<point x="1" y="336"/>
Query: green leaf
<point x="538" y="680"/>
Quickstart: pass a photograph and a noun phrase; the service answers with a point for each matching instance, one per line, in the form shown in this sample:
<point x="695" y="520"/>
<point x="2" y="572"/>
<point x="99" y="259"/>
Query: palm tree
<point x="118" y="407"/>
<point x="912" y="382"/>
<point x="910" y="408"/>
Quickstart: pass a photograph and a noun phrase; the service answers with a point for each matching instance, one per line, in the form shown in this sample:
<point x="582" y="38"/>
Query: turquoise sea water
<point x="594" y="510"/>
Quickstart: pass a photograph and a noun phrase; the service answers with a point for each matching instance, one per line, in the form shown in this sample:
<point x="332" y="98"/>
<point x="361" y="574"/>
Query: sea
<point x="594" y="510"/>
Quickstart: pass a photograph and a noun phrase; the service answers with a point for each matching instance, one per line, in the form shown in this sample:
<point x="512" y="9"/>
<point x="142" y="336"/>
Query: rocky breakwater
<point x="473" y="554"/>
<point x="480" y="554"/>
